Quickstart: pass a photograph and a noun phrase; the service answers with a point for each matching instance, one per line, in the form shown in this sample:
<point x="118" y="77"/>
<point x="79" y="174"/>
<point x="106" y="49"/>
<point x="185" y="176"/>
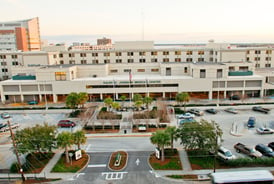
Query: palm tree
<point x="171" y="131"/>
<point x="108" y="101"/>
<point x="82" y="98"/>
<point x="72" y="100"/>
<point x="138" y="104"/>
<point x="161" y="139"/>
<point x="137" y="97"/>
<point x="65" y="140"/>
<point x="183" y="97"/>
<point x="147" y="100"/>
<point x="123" y="99"/>
<point x="116" y="105"/>
<point x="79" y="138"/>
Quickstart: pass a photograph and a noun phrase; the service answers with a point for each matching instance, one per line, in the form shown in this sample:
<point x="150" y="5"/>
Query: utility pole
<point x="16" y="152"/>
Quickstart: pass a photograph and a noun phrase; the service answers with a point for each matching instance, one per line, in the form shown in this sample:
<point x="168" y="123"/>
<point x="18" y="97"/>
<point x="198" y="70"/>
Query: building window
<point x="142" y="53"/>
<point x="4" y="70"/>
<point x="243" y="68"/>
<point x="188" y="59"/>
<point x="201" y="52"/>
<point x="202" y="73"/>
<point x="113" y="71"/>
<point x="71" y="54"/>
<point x="257" y="52"/>
<point x="219" y="73"/>
<point x="54" y="56"/>
<point x="154" y="70"/>
<point x="83" y="61"/>
<point x="165" y="53"/>
<point x="177" y="59"/>
<point x="72" y="62"/>
<point x="211" y="59"/>
<point x="14" y="56"/>
<point x="60" y="55"/>
<point x="5" y="77"/>
<point x="130" y="60"/>
<point x="247" y="59"/>
<point x="118" y="60"/>
<point x="178" y="52"/>
<point x="200" y="59"/>
<point x="154" y="53"/>
<point x="60" y="76"/>
<point x="268" y="65"/>
<point x="130" y="53"/>
<point x="142" y="60"/>
<point x="154" y="60"/>
<point x="95" y="54"/>
<point x="257" y="65"/>
<point x="257" y="58"/>
<point x="247" y="52"/>
<point x="211" y="52"/>
<point x="2" y="56"/>
<point x="106" y="61"/>
<point x="165" y="60"/>
<point x="231" y="69"/>
<point x="141" y="70"/>
<point x="189" y="52"/>
<point x="95" y="61"/>
<point x="3" y="63"/>
<point x="83" y="55"/>
<point x="107" y="54"/>
<point x="268" y="58"/>
<point x="118" y="53"/>
<point x="61" y="62"/>
<point x="127" y="70"/>
<point x="15" y="63"/>
<point x="268" y="51"/>
<point x="185" y="70"/>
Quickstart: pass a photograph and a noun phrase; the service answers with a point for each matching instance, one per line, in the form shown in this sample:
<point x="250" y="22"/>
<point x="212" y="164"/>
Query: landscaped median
<point x="118" y="160"/>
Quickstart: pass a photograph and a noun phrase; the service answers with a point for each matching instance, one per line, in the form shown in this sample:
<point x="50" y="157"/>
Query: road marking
<point x="87" y="148"/>
<point x="113" y="175"/>
<point x="137" y="161"/>
<point x="79" y="174"/>
<point x="97" y="165"/>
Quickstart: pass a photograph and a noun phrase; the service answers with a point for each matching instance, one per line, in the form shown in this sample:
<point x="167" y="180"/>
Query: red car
<point x="66" y="123"/>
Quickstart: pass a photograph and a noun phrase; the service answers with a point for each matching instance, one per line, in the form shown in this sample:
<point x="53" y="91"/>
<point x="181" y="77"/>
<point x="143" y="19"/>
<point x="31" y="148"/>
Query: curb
<point x="121" y="168"/>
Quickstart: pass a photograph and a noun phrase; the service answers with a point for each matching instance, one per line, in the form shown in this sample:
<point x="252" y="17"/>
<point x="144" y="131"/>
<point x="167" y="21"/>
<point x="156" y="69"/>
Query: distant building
<point x="104" y="41"/>
<point x="21" y="35"/>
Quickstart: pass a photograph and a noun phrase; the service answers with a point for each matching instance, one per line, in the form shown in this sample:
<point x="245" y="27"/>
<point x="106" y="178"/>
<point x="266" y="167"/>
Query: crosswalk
<point x="113" y="175"/>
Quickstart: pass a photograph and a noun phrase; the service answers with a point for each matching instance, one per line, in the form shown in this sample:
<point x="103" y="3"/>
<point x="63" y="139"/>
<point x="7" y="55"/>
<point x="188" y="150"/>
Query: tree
<point x="161" y="139"/>
<point x="137" y="97"/>
<point x="116" y="105"/>
<point x="72" y="100"/>
<point x="108" y="101"/>
<point x="40" y="138"/>
<point x="147" y="100"/>
<point x="183" y="97"/>
<point x="201" y="135"/>
<point x="138" y="104"/>
<point x="171" y="131"/>
<point x="79" y="138"/>
<point x="123" y="99"/>
<point x="65" y="140"/>
<point x="82" y="98"/>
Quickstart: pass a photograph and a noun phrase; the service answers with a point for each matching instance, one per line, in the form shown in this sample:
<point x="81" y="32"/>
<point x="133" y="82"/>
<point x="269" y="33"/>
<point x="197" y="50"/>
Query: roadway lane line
<point x="97" y="165"/>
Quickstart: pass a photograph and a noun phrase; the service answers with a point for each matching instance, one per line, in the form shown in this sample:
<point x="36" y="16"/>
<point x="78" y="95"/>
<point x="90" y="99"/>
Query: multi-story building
<point x="211" y="71"/>
<point x="23" y="35"/>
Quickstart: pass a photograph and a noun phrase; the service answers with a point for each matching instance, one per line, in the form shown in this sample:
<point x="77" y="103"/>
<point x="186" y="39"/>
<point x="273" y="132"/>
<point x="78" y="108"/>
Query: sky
<point x="166" y="21"/>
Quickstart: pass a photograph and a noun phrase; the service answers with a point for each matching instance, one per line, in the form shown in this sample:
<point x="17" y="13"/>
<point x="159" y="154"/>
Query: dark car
<point x="260" y="109"/>
<point x="197" y="112"/>
<point x="251" y="122"/>
<point x="33" y="102"/>
<point x="266" y="151"/>
<point x="211" y="111"/>
<point x="271" y="145"/>
<point x="66" y="123"/>
<point x="234" y="97"/>
<point x="3" y="126"/>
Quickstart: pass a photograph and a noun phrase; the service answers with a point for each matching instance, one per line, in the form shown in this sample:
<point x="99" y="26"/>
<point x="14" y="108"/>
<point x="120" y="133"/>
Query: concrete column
<point x="22" y="98"/>
<point x="101" y="96"/>
<point x="164" y="95"/>
<point x="55" y="99"/>
<point x="210" y="95"/>
<point x="3" y="98"/>
<point x="40" y="98"/>
<point x="262" y="93"/>
<point x="116" y="96"/>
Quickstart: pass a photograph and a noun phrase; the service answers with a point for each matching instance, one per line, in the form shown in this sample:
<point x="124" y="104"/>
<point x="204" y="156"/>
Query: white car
<point x="12" y="125"/>
<point x="225" y="154"/>
<point x="186" y="116"/>
<point x="263" y="130"/>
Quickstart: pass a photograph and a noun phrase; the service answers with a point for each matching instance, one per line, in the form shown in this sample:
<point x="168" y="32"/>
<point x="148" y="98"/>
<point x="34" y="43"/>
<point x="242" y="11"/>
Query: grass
<point x="187" y="176"/>
<point x="200" y="160"/>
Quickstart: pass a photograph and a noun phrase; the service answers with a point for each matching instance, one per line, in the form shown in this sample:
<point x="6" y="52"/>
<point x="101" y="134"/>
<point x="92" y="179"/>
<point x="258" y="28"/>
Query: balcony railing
<point x="240" y="73"/>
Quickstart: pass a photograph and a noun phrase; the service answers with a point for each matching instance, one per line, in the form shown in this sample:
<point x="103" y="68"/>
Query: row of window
<point x="132" y="86"/>
<point x="12" y="56"/>
<point x="138" y="70"/>
<point x="259" y="52"/>
<point x="14" y="63"/>
<point x="258" y="59"/>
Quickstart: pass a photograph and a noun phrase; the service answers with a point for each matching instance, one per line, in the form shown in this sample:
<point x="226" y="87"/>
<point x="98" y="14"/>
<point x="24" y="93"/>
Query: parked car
<point x="263" y="130"/>
<point x="260" y="109"/>
<point x="251" y="122"/>
<point x="2" y="125"/>
<point x="234" y="97"/>
<point x="241" y="148"/>
<point x="266" y="151"/>
<point x="5" y="115"/>
<point x="66" y="123"/>
<point x="33" y="102"/>
<point x="271" y="145"/>
<point x="231" y="110"/>
<point x="211" y="111"/>
<point x="12" y="126"/>
<point x="189" y="120"/>
<point x="225" y="154"/>
<point x="186" y="116"/>
<point x="197" y="112"/>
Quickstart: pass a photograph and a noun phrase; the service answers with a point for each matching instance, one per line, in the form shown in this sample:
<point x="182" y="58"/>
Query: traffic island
<point x="118" y="160"/>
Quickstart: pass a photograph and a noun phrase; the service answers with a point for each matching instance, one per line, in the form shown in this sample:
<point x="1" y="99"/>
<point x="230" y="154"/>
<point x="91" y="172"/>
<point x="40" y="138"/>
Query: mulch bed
<point x="123" y="162"/>
<point x="102" y="131"/>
